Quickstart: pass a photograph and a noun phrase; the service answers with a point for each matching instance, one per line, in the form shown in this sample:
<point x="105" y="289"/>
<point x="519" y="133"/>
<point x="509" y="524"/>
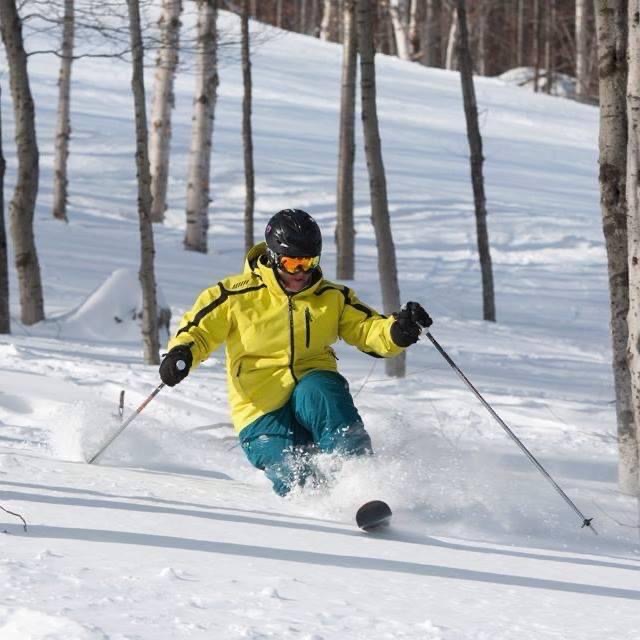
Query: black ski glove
<point x="410" y="321"/>
<point x="171" y="372"/>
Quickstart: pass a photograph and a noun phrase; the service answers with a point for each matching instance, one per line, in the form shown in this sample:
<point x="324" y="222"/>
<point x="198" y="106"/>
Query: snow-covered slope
<point x="174" y="534"/>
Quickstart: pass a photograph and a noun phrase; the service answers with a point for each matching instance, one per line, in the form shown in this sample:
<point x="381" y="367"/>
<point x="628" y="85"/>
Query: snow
<point x="174" y="534"/>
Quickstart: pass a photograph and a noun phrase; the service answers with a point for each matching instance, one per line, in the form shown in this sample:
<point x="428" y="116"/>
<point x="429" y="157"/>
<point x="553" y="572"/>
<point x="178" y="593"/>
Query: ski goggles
<point x="292" y="264"/>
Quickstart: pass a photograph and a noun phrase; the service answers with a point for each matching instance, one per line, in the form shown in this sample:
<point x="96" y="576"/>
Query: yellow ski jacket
<point x="273" y="338"/>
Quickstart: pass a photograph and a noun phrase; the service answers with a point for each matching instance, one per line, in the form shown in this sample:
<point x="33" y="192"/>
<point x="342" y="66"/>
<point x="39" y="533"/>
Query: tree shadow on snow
<point x="325" y="559"/>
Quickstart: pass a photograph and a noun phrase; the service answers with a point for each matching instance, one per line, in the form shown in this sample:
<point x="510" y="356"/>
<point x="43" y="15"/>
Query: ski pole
<point x="586" y="522"/>
<point x="181" y="365"/>
<point x="126" y="423"/>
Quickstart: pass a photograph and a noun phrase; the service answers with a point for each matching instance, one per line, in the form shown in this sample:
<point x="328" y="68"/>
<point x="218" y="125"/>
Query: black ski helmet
<point x="293" y="232"/>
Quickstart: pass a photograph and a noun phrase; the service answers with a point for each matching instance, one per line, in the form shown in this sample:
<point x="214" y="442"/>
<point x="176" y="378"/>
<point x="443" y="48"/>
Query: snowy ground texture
<point x="173" y="534"/>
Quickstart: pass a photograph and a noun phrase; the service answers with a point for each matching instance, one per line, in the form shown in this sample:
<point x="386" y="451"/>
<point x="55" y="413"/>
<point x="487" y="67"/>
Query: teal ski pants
<point x="319" y="417"/>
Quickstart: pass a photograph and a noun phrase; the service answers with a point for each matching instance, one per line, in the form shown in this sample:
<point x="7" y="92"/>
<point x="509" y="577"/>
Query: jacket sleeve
<point x="206" y="325"/>
<point x="364" y="328"/>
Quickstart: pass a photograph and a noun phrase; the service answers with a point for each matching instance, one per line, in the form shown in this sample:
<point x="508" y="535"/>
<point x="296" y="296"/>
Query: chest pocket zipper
<point x="307" y="324"/>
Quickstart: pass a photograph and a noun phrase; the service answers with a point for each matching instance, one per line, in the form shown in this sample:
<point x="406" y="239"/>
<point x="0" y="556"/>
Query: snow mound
<point x="113" y="312"/>
<point x="563" y="84"/>
<point x="29" y="624"/>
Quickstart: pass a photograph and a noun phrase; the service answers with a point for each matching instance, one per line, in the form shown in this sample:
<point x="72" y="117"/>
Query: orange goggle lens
<point x="292" y="264"/>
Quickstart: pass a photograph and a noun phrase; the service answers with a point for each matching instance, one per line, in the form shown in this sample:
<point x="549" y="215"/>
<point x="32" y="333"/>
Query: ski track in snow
<point x="173" y="534"/>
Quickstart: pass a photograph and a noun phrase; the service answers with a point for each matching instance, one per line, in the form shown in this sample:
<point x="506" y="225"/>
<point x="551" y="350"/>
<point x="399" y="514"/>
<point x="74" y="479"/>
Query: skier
<point x="279" y="318"/>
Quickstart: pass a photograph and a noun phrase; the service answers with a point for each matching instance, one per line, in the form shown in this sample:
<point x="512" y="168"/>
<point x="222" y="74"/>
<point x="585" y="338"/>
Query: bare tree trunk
<point x="611" y="17"/>
<point x="400" y="21"/>
<point x="315" y="29"/>
<point x="452" y="42"/>
<point x="163" y="103"/>
<point x="549" y="50"/>
<point x="481" y="64"/>
<point x="475" y="147"/>
<point x="247" y="136"/>
<point x="302" y="27"/>
<point x="582" y="49"/>
<point x="326" y="26"/>
<point x="432" y="35"/>
<point x="5" y="316"/>
<point x="537" y="44"/>
<point x="339" y="25"/>
<point x="279" y="14"/>
<point x="520" y="34"/>
<point x="415" y="16"/>
<point x="22" y="207"/>
<point x="202" y="132"/>
<point x="628" y="441"/>
<point x="146" y="274"/>
<point x="387" y="269"/>
<point x="345" y="232"/>
<point x="63" y="126"/>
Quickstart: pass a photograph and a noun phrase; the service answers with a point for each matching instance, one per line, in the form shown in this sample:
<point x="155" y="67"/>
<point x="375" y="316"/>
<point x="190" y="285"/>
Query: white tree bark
<point x="163" y="103"/>
<point x="326" y="26"/>
<point x="63" y="125"/>
<point x="398" y="10"/>
<point x="628" y="443"/>
<point x="387" y="268"/>
<point x="147" y="277"/>
<point x="345" y="232"/>
<point x="23" y="203"/>
<point x="452" y="43"/>
<point x="202" y="129"/>
<point x="582" y="49"/>
<point x="611" y="18"/>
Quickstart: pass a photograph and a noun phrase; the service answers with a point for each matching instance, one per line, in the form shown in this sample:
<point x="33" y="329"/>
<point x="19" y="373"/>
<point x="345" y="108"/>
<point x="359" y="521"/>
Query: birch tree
<point x="477" y="159"/>
<point x="399" y="12"/>
<point x="582" y="49"/>
<point x="163" y="103"/>
<point x="345" y="232"/>
<point x="5" y="317"/>
<point x="628" y="441"/>
<point x="611" y="16"/>
<point x="387" y="269"/>
<point x="328" y="19"/>
<point x="63" y="124"/>
<point x="147" y="252"/>
<point x="202" y="129"/>
<point x="22" y="207"/>
<point x="452" y="43"/>
<point x="247" y="135"/>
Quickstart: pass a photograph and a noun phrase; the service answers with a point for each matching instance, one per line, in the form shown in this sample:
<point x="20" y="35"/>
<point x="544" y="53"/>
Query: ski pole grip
<point x="181" y="365"/>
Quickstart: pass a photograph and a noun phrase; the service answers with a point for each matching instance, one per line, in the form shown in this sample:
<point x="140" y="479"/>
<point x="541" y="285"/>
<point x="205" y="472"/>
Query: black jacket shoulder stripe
<point x="224" y="294"/>
<point x="330" y="287"/>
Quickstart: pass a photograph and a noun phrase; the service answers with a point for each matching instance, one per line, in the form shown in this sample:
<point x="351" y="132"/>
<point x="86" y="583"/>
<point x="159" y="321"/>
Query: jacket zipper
<point x="291" y="336"/>
<point x="307" y="324"/>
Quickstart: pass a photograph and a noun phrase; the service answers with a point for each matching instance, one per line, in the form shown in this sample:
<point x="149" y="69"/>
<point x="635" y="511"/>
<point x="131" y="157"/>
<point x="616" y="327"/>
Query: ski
<point x="373" y="515"/>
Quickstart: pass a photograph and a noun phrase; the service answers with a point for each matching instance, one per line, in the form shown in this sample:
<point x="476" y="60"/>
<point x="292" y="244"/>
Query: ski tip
<point x="373" y="515"/>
